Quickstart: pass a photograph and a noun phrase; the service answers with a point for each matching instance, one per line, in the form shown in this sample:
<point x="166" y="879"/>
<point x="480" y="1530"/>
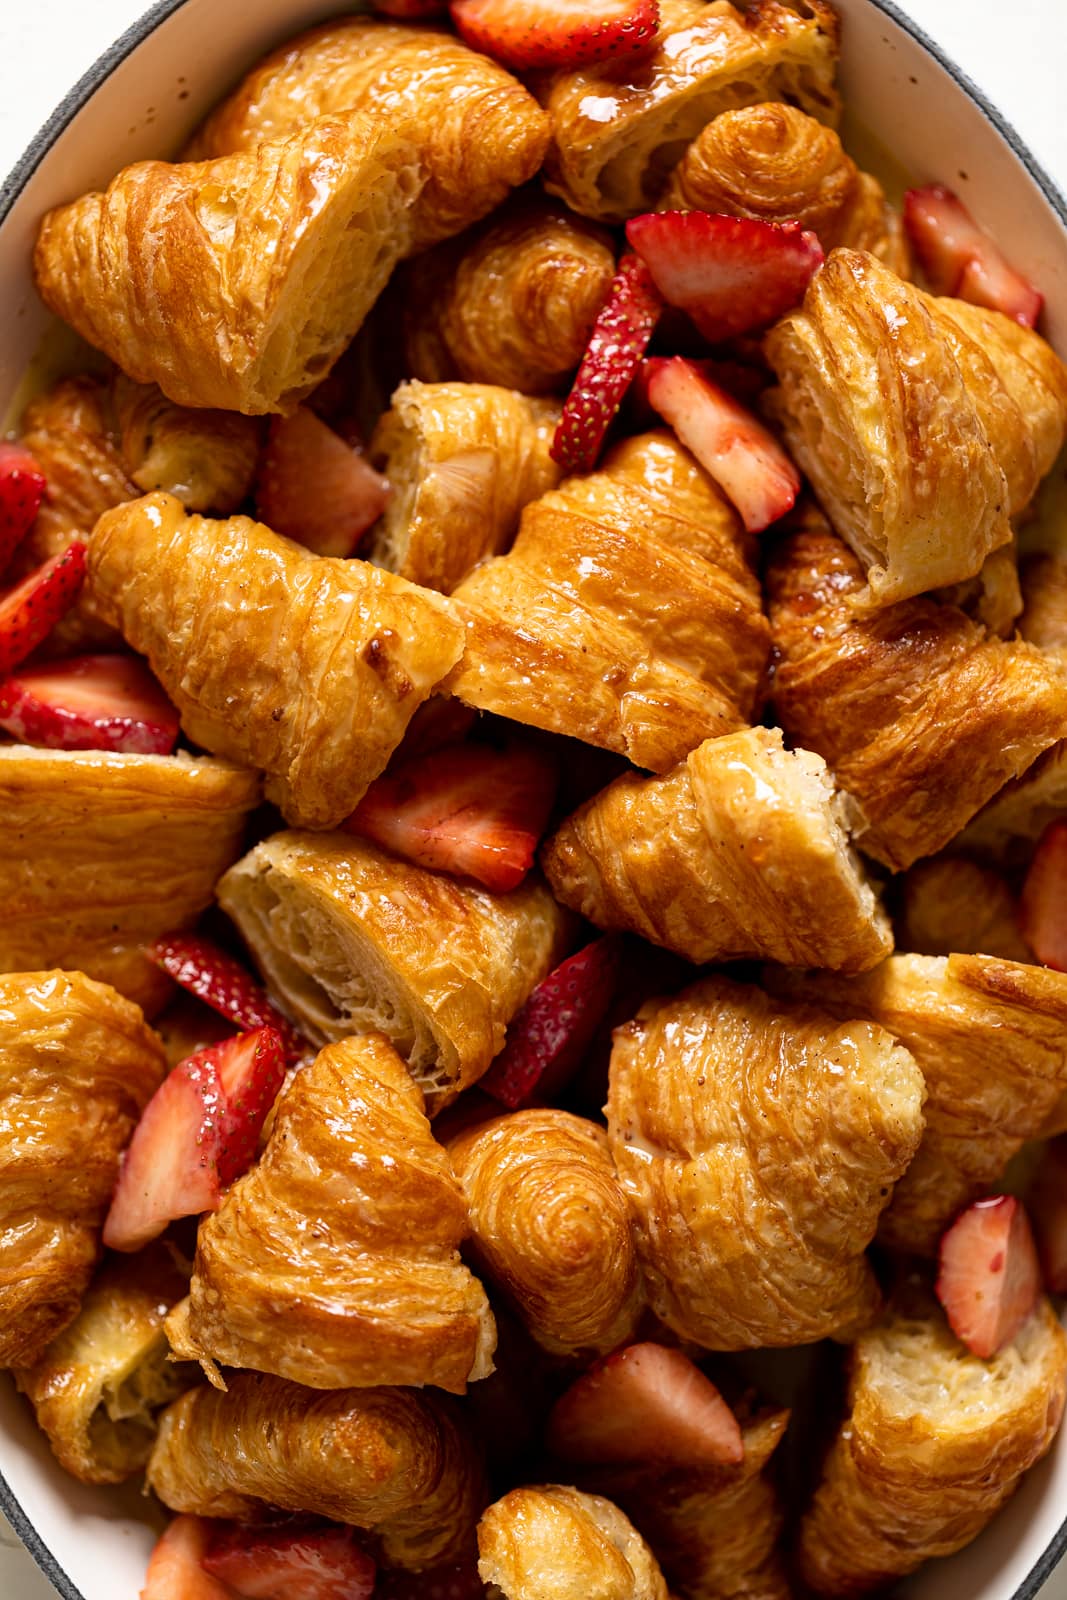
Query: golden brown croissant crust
<point x="335" y="1261"/>
<point x="308" y="667"/>
<point x="740" y="851"/>
<point x="1008" y="827"/>
<point x="207" y="459"/>
<point x="777" y="1134"/>
<point x="554" y="1543"/>
<point x="993" y="597"/>
<point x="552" y="1227"/>
<point x="236" y="283"/>
<point x="77" y="1066"/>
<point x="1044" y="586"/>
<point x="462" y="460"/>
<point x="921" y="716"/>
<point x="951" y="905"/>
<point x="477" y="131"/>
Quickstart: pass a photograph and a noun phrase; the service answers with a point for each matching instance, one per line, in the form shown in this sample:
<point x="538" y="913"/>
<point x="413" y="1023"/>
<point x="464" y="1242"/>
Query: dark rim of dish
<point x="35" y="152"/>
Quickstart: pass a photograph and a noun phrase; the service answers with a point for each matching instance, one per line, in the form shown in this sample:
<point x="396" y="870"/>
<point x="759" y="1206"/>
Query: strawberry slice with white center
<point x="648" y="1404"/>
<point x="1047" y="1202"/>
<point x="731" y="275"/>
<point x="549" y="1037"/>
<point x="30" y="610"/>
<point x="989" y="1278"/>
<point x="961" y="259"/>
<point x="199" y="965"/>
<point x="287" y="1563"/>
<point x="107" y="702"/>
<point x="440" y="1583"/>
<point x="174" y="1569"/>
<point x="745" y="459"/>
<point x="1043" y="902"/>
<point x="528" y="34"/>
<point x="251" y="1069"/>
<point x="22" y="488"/>
<point x="315" y="488"/>
<point x="616" y="346"/>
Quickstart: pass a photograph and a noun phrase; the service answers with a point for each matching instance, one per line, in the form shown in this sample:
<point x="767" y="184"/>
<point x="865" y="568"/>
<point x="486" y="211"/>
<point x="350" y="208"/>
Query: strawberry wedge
<point x="440" y="1583"/>
<point x="286" y="1563"/>
<point x="645" y="1404"/>
<point x="463" y="809"/>
<point x="612" y="357"/>
<point x="251" y="1069"/>
<point x="1047" y="1202"/>
<point x="200" y="966"/>
<point x="1043" y="902"/>
<point x="22" y="488"/>
<point x="729" y="274"/>
<point x="527" y="34"/>
<point x="315" y="488"/>
<point x="732" y="445"/>
<point x="30" y="610"/>
<point x="989" y="1278"/>
<point x="108" y="702"/>
<point x="960" y="259"/>
<point x="174" y="1569"/>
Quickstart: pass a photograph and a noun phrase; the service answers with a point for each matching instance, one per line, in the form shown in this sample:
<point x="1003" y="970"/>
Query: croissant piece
<point x="869" y="371"/>
<point x="97" y="1387"/>
<point x="462" y="459"/>
<point x="395" y="1462"/>
<point x="608" y="622"/>
<point x="935" y="1441"/>
<point x="1006" y="829"/>
<point x="353" y="941"/>
<point x="207" y="459"/>
<point x="618" y="127"/>
<point x="921" y="715"/>
<point x="552" y="1227"/>
<point x="952" y="905"/>
<point x="777" y="1134"/>
<point x="1044" y="618"/>
<point x="990" y="1038"/>
<point x="742" y="850"/>
<point x="106" y="852"/>
<point x="306" y="666"/>
<point x="994" y="597"/>
<point x="555" y="1543"/>
<point x="477" y="131"/>
<point x="78" y="1064"/>
<point x="236" y="283"/>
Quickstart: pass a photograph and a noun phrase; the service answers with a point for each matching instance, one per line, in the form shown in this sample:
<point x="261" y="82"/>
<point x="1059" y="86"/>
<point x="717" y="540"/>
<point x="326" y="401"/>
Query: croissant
<point x="512" y="304"/>
<point x="207" y="459"/>
<point x="106" y="852"/>
<point x="870" y="370"/>
<point x="777" y="1134"/>
<point x="553" y="1228"/>
<point x="78" y="1064"/>
<point x="477" y="131"/>
<point x="1044" y="615"/>
<point x="952" y="905"/>
<point x="463" y="459"/>
<point x="617" y="127"/>
<point x="555" y="1543"/>
<point x="934" y="1443"/>
<point x="921" y="715"/>
<point x="308" y="667"/>
<point x="374" y="1292"/>
<point x="353" y="941"/>
<point x="609" y="622"/>
<point x="97" y="1387"/>
<point x="1006" y="829"/>
<point x="740" y="851"/>
<point x="236" y="283"/>
<point x="993" y="597"/>
<point x="990" y="1038"/>
<point x="399" y="1463"/>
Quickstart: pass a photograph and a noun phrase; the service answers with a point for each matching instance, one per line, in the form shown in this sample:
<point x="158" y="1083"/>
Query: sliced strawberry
<point x="30" y="610"/>
<point x="730" y="274"/>
<point x="22" y="488"/>
<point x="989" y="1278"/>
<point x="616" y="345"/>
<point x="286" y="1563"/>
<point x="251" y="1069"/>
<point x="197" y="964"/>
<point x="174" y="1570"/>
<point x="465" y="809"/>
<point x="315" y="488"/>
<point x="646" y="1403"/>
<point x="961" y="259"/>
<point x="409" y="9"/>
<point x="548" y="1038"/>
<point x="1047" y="1202"/>
<point x="1043" y="902"/>
<point x="732" y="445"/>
<point x="556" y="33"/>
<point x="89" y="703"/>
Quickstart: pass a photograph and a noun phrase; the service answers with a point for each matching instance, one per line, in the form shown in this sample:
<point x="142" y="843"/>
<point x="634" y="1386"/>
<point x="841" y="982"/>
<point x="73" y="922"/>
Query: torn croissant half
<point x="550" y="1542"/>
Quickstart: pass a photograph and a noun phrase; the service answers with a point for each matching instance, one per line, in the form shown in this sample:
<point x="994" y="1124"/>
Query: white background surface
<point x="1016" y="53"/>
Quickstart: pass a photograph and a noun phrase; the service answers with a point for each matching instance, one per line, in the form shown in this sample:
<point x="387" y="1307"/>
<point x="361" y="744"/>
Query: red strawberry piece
<point x="1047" y="1202"/>
<point x="616" y="345"/>
<point x="251" y="1069"/>
<point x="89" y="703"/>
<point x="411" y="9"/>
<point x="646" y="1403"/>
<point x="548" y="1038"/>
<point x="989" y="1279"/>
<point x="286" y="1563"/>
<point x="731" y="275"/>
<point x="961" y="259"/>
<point x="464" y="809"/>
<point x="315" y="488"/>
<point x="30" y="610"/>
<point x="174" y="1570"/>
<point x="1043" y="902"/>
<point x="22" y="488"/>
<point x="442" y="1583"/>
<point x="732" y="445"/>
<point x="556" y="33"/>
<point x="197" y="964"/>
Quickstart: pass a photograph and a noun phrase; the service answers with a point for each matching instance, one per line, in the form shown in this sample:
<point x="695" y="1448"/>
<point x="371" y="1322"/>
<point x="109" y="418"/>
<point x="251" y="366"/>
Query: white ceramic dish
<point x="139" y="99"/>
